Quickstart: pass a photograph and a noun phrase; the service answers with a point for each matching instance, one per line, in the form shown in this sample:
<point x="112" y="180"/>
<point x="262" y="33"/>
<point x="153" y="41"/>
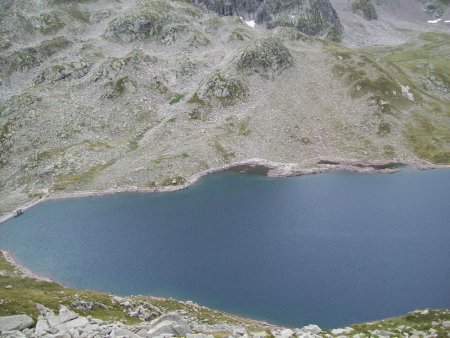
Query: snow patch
<point x="434" y="21"/>
<point x="447" y="21"/>
<point x="250" y="23"/>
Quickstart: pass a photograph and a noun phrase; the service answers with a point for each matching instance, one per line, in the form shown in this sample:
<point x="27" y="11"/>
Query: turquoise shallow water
<point x="331" y="249"/>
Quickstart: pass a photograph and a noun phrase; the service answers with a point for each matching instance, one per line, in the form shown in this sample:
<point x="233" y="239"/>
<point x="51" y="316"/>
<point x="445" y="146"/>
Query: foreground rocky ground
<point x="30" y="307"/>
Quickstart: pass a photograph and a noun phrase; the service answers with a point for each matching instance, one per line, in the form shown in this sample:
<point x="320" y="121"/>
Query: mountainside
<point x="98" y="94"/>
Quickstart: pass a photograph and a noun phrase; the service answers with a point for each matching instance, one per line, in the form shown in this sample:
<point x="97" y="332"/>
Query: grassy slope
<point x="427" y="131"/>
<point x="378" y="73"/>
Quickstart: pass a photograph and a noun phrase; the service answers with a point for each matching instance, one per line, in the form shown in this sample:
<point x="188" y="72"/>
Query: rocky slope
<point x="97" y="95"/>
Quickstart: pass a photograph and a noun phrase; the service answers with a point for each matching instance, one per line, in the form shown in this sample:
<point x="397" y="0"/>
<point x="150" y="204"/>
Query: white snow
<point x="447" y="21"/>
<point x="251" y="23"/>
<point x="434" y="21"/>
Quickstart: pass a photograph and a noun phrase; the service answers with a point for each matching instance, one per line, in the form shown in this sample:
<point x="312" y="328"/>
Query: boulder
<point x="168" y="324"/>
<point x="181" y="330"/>
<point x="17" y="322"/>
<point x="64" y="316"/>
<point x="42" y="325"/>
<point x="261" y="334"/>
<point x="73" y="324"/>
<point x="164" y="327"/>
<point x="382" y="333"/>
<point x="82" y="305"/>
<point x="45" y="311"/>
<point x="12" y="334"/>
<point x="286" y="333"/>
<point x="311" y="328"/>
<point x="121" y="332"/>
<point x="346" y="330"/>
<point x="62" y="335"/>
<point x="198" y="335"/>
<point x="172" y="317"/>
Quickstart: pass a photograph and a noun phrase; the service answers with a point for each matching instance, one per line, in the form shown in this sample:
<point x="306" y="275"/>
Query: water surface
<point x="331" y="249"/>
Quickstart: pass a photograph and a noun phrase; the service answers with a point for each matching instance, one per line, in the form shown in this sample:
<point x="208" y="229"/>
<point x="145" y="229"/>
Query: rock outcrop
<point x="69" y="324"/>
<point x="313" y="17"/>
<point x="221" y="89"/>
<point x="266" y="57"/>
<point x="365" y="8"/>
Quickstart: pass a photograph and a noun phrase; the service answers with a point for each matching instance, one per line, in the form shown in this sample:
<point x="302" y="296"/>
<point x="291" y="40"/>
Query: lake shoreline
<point x="25" y="272"/>
<point x="275" y="169"/>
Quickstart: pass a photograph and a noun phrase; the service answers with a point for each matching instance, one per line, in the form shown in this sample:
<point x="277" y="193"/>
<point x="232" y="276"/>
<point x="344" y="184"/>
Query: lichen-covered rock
<point x="119" y="87"/>
<point x="155" y="21"/>
<point x="27" y="58"/>
<point x="266" y="57"/>
<point x="65" y="71"/>
<point x="113" y="67"/>
<point x="47" y="22"/>
<point x="221" y="89"/>
<point x="136" y="26"/>
<point x="5" y="41"/>
<point x="365" y="8"/>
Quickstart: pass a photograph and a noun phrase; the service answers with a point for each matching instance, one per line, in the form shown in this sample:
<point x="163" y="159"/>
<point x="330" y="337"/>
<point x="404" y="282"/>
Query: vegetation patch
<point x="429" y="59"/>
<point x="76" y="180"/>
<point x="429" y="140"/>
<point x="175" y="180"/>
<point x="5" y="142"/>
<point x="222" y="89"/>
<point x="176" y="98"/>
<point x="117" y="88"/>
<point x="365" y="8"/>
<point x="27" y="58"/>
<point x="266" y="57"/>
<point x="195" y="114"/>
<point x="226" y="154"/>
<point x="47" y="23"/>
<point x="239" y="34"/>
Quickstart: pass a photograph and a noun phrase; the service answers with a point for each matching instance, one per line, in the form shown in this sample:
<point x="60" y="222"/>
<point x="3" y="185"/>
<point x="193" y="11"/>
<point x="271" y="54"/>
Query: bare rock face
<point x="365" y="8"/>
<point x="435" y="8"/>
<point x="313" y="17"/>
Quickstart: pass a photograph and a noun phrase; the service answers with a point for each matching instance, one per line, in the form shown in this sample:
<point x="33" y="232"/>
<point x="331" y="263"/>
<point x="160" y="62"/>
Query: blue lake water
<point x="331" y="249"/>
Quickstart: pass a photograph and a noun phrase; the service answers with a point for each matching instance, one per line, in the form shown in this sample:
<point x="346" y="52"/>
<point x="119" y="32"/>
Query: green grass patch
<point x="429" y="140"/>
<point x="243" y="127"/>
<point x="72" y="181"/>
<point x="174" y="180"/>
<point x="226" y="154"/>
<point x="176" y="98"/>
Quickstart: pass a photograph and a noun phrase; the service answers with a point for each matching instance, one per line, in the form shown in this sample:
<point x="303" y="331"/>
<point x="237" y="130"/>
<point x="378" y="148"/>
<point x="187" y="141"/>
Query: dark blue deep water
<point x="331" y="249"/>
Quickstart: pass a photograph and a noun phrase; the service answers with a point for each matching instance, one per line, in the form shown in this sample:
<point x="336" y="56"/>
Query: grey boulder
<point x="17" y="322"/>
